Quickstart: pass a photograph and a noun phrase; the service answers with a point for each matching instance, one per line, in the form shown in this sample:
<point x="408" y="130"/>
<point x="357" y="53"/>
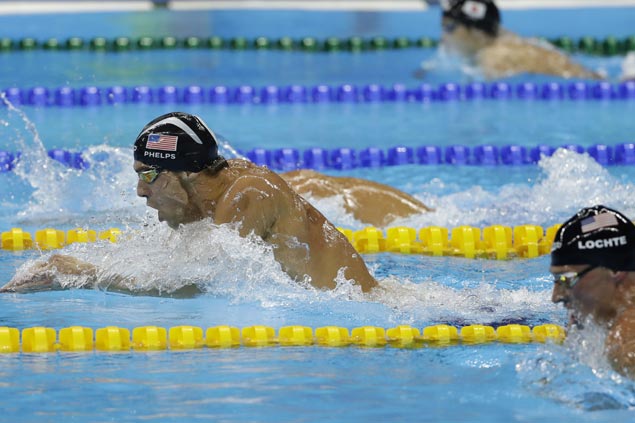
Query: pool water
<point x="242" y="283"/>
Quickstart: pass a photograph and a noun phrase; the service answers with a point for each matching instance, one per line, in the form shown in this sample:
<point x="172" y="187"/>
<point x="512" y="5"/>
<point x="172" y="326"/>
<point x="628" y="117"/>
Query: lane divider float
<point x="497" y="242"/>
<point x="94" y="96"/>
<point x="608" y="46"/>
<point x="42" y="339"/>
<point x="345" y="158"/>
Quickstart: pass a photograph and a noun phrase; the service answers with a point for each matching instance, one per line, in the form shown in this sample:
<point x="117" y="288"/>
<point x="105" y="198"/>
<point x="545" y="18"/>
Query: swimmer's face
<point x="167" y="195"/>
<point x="585" y="291"/>
<point x="461" y="39"/>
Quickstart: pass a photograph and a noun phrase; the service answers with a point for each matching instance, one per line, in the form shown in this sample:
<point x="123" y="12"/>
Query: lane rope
<point x="346" y="158"/>
<point x="94" y="96"/>
<point x="42" y="339"/>
<point x="497" y="242"/>
<point x="608" y="46"/>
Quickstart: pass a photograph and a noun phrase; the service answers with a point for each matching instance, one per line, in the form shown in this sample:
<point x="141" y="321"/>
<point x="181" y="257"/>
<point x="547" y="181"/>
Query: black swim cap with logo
<point x="597" y="236"/>
<point x="480" y="14"/>
<point x="178" y="142"/>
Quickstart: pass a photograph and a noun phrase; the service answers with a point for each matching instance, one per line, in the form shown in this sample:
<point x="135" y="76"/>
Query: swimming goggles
<point x="150" y="175"/>
<point x="569" y="279"/>
<point x="449" y="27"/>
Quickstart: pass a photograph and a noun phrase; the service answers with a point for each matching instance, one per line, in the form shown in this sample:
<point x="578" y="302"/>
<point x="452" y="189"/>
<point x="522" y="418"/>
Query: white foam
<point x="577" y="373"/>
<point x="568" y="182"/>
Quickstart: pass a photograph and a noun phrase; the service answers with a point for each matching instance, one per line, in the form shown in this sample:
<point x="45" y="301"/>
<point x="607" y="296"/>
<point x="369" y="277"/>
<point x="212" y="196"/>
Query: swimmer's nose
<point x="559" y="294"/>
<point x="142" y="189"/>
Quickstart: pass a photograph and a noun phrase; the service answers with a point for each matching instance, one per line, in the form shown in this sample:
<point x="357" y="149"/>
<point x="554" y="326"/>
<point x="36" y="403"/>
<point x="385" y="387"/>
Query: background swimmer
<point x="471" y="29"/>
<point x="182" y="176"/>
<point x="369" y="202"/>
<point x="593" y="263"/>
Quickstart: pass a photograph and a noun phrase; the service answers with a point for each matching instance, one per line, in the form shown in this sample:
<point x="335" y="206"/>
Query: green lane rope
<point x="609" y="46"/>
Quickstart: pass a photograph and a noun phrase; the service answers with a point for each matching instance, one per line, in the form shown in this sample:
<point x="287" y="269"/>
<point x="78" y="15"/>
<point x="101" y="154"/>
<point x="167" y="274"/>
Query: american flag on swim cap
<point x="598" y="221"/>
<point x="162" y="142"/>
<point x="474" y="9"/>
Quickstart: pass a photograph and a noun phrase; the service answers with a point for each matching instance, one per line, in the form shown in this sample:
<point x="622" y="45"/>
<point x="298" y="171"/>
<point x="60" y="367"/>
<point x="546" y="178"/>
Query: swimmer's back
<point x="370" y="202"/>
<point x="511" y="54"/>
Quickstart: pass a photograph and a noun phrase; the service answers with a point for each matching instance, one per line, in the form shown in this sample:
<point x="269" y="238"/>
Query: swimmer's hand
<point x="43" y="276"/>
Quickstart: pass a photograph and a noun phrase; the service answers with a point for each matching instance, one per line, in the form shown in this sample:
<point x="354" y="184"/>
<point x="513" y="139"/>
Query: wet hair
<point x="597" y="236"/>
<point x="479" y="14"/>
<point x="178" y="141"/>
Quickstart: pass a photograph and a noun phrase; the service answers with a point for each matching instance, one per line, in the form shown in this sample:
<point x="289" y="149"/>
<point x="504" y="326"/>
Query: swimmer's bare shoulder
<point x="620" y="343"/>
<point x="256" y="199"/>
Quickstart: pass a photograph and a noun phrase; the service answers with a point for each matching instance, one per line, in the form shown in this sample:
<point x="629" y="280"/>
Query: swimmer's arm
<point x="42" y="276"/>
<point x="251" y="202"/>
<point x="620" y="344"/>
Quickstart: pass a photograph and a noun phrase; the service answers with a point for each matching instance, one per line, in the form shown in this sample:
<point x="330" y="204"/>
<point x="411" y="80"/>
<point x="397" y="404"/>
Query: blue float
<point x="486" y="155"/>
<point x="321" y="94"/>
<point x="400" y="155"/>
<point x="457" y="154"/>
<point x="38" y="96"/>
<point x="316" y="158"/>
<point x="603" y="154"/>
<point x="500" y="91"/>
<point x="346" y="93"/>
<point x="294" y="94"/>
<point x="343" y="158"/>
<point x="373" y="93"/>
<point x="449" y="92"/>
<point x="536" y="153"/>
<point x="372" y="157"/>
<point x="65" y="97"/>
<point x="514" y="155"/>
<point x="422" y="93"/>
<point x="260" y="156"/>
<point x="193" y="94"/>
<point x="142" y="94"/>
<point x="527" y="91"/>
<point x="116" y="94"/>
<point x="219" y="95"/>
<point x="243" y="94"/>
<point x="7" y="162"/>
<point x="578" y="90"/>
<point x="167" y="94"/>
<point x="429" y="155"/>
<point x="552" y="91"/>
<point x="398" y="92"/>
<point x="625" y="154"/>
<point x="475" y="91"/>
<point x="286" y="159"/>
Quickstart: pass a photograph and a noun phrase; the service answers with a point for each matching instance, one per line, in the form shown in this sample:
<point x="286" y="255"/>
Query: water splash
<point x="63" y="195"/>
<point x="628" y="67"/>
<point x="577" y="373"/>
<point x="568" y="182"/>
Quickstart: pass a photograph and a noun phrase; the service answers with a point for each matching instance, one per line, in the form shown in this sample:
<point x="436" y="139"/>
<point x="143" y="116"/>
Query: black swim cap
<point x="598" y="236"/>
<point x="179" y="142"/>
<point x="480" y="14"/>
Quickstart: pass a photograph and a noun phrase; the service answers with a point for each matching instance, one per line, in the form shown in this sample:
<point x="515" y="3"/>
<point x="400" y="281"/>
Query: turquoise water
<point x="242" y="283"/>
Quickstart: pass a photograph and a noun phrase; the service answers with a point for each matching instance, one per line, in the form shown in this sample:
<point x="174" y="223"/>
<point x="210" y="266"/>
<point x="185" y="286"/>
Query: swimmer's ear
<point x="188" y="176"/>
<point x="618" y="276"/>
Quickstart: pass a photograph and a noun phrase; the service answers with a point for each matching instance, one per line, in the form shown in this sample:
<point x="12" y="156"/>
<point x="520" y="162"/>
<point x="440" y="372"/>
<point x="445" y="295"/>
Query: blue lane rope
<point x="343" y="158"/>
<point x="297" y="94"/>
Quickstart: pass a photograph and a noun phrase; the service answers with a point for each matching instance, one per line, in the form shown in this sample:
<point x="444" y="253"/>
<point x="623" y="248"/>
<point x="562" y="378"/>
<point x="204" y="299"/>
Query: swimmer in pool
<point x="593" y="263"/>
<point x="471" y="29"/>
<point x="183" y="177"/>
<point x="369" y="202"/>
